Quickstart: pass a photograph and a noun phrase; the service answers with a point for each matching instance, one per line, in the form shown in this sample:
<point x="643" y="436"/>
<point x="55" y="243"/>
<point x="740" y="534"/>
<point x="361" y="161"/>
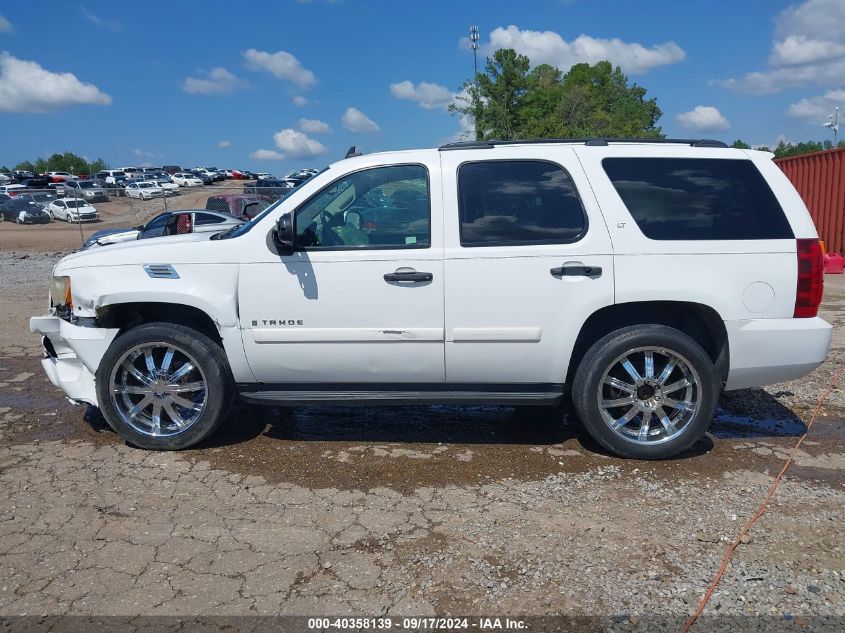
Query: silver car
<point x="169" y="223"/>
<point x="85" y="189"/>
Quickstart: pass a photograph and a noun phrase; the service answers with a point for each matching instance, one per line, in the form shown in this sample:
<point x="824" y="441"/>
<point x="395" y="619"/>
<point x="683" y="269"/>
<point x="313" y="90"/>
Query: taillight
<point x="810" y="286"/>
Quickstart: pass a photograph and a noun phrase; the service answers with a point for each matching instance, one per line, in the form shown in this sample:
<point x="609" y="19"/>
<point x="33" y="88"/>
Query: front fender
<point x="208" y="287"/>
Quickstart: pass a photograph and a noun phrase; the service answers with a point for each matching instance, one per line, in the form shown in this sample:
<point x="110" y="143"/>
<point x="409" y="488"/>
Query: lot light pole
<point x="833" y="123"/>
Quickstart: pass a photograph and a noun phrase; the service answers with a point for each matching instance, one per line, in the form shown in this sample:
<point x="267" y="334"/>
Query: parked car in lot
<point x="132" y="173"/>
<point x="169" y="223"/>
<point x="72" y="210"/>
<point x="23" y="212"/>
<point x="185" y="179"/>
<point x="642" y="277"/>
<point x="60" y="176"/>
<point x="21" y="174"/>
<point x="205" y="178"/>
<point x="110" y="178"/>
<point x="144" y="190"/>
<point x="13" y="189"/>
<point x="171" y="169"/>
<point x="272" y="188"/>
<point x="166" y="183"/>
<point x="5" y="177"/>
<point x="244" y="206"/>
<point x="37" y="182"/>
<point x="85" y="189"/>
<point x="42" y="198"/>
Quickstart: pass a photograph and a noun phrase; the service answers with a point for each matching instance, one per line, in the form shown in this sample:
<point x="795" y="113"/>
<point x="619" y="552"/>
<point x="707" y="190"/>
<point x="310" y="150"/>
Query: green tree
<point x="26" y="166"/>
<point x="598" y="101"/>
<point x="739" y="144"/>
<point x="509" y="101"/>
<point x="501" y="91"/>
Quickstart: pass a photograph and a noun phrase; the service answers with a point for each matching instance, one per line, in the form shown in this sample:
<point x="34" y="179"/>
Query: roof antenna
<point x="352" y="153"/>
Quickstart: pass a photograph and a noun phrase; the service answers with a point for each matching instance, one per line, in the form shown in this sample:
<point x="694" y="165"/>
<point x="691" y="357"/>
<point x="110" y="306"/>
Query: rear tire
<point x="164" y="386"/>
<point x="646" y="392"/>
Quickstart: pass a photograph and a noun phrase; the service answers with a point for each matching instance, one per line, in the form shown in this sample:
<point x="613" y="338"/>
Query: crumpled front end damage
<point x="72" y="354"/>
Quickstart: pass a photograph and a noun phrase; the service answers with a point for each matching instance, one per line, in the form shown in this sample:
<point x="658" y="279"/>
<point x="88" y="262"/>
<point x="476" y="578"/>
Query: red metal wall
<point x="820" y="179"/>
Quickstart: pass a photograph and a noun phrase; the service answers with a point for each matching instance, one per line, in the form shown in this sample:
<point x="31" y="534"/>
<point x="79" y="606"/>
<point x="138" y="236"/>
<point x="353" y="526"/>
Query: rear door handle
<point x="573" y="270"/>
<point x="407" y="276"/>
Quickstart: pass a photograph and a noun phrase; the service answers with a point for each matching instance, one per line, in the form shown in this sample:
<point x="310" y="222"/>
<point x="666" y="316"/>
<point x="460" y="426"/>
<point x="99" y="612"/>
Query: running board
<point x="342" y="397"/>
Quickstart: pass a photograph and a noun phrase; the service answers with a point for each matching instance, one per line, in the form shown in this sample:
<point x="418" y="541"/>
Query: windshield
<point x="87" y="185"/>
<point x="119" y="174"/>
<point x="76" y="204"/>
<point x="246" y="227"/>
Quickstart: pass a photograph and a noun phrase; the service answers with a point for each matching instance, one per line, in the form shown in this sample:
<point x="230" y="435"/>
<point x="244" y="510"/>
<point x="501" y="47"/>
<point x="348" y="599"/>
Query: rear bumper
<point x="768" y="351"/>
<point x="72" y="354"/>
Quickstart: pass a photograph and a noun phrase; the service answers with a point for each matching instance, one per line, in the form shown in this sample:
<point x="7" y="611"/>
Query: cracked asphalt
<point x="410" y="511"/>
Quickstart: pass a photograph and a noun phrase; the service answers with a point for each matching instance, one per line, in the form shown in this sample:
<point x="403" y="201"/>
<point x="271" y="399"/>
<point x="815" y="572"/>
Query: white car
<point x="144" y="190"/>
<point x="186" y="180"/>
<point x="60" y="176"/>
<point x="4" y="178"/>
<point x="11" y="190"/>
<point x="641" y="277"/>
<point x="170" y="188"/>
<point x="72" y="210"/>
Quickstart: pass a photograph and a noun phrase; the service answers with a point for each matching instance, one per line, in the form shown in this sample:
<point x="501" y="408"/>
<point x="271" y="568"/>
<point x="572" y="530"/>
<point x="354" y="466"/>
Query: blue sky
<point x="278" y="85"/>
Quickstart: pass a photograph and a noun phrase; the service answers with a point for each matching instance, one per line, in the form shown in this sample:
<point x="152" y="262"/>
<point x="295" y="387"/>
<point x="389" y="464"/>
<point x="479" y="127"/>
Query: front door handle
<point x="405" y="275"/>
<point x="574" y="270"/>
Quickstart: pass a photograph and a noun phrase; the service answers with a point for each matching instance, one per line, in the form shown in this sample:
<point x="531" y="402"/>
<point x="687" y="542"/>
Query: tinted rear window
<point x="515" y="202"/>
<point x="698" y="198"/>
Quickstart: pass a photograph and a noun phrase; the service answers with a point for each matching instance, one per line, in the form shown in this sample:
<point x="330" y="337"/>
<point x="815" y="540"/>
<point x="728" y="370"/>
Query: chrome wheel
<point x="158" y="389"/>
<point x="649" y="395"/>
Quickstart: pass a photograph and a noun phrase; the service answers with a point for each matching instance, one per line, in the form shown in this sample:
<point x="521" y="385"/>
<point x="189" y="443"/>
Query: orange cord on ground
<point x="834" y="381"/>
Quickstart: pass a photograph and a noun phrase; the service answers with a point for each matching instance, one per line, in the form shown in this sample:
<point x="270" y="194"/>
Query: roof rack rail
<point x="694" y="142"/>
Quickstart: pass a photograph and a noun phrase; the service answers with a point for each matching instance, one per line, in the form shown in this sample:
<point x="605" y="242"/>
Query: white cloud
<point x="548" y="47"/>
<point x="314" y="126"/>
<point x="5" y="25"/>
<point x="428" y="95"/>
<point x="465" y="132"/>
<point x="115" y="25"/>
<point x="224" y="144"/>
<point x="295" y="144"/>
<point x="281" y="65"/>
<point x="798" y="49"/>
<point x="356" y="121"/>
<point x="266" y="154"/>
<point x="27" y="87"/>
<point x="299" y="101"/>
<point x="139" y="153"/>
<point x="808" y="47"/>
<point x="816" y="109"/>
<point x="217" y="81"/>
<point x="704" y="119"/>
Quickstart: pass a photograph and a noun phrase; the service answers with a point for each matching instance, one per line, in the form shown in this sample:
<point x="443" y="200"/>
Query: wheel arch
<point x="701" y="322"/>
<point x="126" y="315"/>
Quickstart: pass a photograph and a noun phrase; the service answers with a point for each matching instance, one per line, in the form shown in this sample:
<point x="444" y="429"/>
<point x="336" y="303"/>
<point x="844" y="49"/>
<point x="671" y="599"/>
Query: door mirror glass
<point x="283" y="235"/>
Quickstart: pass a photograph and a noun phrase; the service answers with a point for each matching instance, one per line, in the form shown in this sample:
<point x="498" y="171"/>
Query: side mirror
<point x="283" y="235"/>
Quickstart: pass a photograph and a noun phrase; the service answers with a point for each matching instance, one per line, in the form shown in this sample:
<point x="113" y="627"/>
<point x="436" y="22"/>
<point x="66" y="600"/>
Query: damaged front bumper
<point x="72" y="354"/>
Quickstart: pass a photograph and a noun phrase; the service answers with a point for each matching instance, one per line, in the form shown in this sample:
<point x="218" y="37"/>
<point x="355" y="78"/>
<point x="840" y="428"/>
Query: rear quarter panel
<point x="740" y="279"/>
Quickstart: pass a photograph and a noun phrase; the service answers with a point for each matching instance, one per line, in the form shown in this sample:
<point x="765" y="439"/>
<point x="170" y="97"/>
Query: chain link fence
<point x="63" y="217"/>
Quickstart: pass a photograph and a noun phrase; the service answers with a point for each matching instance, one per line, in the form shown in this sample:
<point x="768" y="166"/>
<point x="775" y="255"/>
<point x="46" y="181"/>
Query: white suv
<point x="641" y="277"/>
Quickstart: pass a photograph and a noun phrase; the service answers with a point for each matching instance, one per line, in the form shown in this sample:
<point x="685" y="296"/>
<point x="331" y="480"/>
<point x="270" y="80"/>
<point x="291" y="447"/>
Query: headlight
<point x="60" y="294"/>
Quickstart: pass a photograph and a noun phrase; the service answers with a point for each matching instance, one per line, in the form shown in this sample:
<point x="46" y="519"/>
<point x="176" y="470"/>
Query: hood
<point x="153" y="250"/>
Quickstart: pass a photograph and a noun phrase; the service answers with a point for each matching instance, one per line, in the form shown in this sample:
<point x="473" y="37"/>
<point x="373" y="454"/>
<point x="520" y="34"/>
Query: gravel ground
<point x="415" y="510"/>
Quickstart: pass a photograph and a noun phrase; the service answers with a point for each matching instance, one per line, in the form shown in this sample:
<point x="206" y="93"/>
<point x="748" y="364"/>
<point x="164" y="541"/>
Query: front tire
<point x="646" y="392"/>
<point x="164" y="386"/>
